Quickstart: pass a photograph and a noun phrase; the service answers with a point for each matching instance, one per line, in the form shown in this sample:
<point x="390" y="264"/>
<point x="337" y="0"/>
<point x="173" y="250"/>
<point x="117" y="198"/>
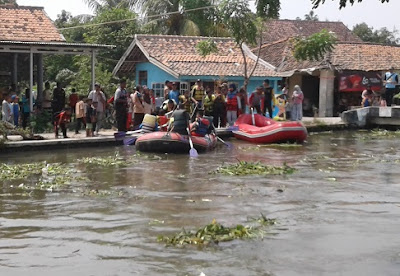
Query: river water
<point x="339" y="214"/>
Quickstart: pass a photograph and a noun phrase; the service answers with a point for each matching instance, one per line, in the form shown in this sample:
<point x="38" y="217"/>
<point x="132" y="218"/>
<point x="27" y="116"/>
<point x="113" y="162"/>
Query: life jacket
<point x="163" y="120"/>
<point x="198" y="94"/>
<point x="187" y="106"/>
<point x="209" y="104"/>
<point x="149" y="123"/>
<point x="202" y="128"/>
<point x="232" y="102"/>
<point x="180" y="121"/>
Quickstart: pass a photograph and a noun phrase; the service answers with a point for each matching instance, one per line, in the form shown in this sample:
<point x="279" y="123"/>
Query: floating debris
<point x="109" y="161"/>
<point x="215" y="232"/>
<point x="254" y="168"/>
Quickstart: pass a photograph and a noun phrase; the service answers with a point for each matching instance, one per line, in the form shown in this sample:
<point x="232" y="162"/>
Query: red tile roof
<point x="345" y="56"/>
<point x="179" y="54"/>
<point x="276" y="30"/>
<point x="27" y="24"/>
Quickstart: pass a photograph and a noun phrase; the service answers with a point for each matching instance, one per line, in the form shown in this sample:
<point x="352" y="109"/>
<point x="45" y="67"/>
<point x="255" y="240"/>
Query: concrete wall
<point x="326" y="88"/>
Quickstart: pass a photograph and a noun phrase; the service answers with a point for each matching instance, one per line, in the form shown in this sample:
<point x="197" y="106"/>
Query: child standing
<point x="15" y="109"/>
<point x="61" y="120"/>
<point x="79" y="114"/>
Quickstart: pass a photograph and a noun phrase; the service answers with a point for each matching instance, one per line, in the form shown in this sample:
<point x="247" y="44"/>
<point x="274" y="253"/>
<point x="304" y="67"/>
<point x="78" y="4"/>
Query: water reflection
<point x="337" y="214"/>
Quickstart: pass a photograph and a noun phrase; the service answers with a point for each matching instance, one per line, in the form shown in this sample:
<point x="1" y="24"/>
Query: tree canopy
<point x="342" y="3"/>
<point x="383" y="35"/>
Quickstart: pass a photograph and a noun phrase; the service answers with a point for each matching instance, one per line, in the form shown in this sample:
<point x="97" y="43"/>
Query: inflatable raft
<point x="265" y="130"/>
<point x="174" y="142"/>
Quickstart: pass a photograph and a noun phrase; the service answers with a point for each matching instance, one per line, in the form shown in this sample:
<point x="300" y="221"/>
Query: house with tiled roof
<point x="152" y="59"/>
<point x="281" y="29"/>
<point x="26" y="34"/>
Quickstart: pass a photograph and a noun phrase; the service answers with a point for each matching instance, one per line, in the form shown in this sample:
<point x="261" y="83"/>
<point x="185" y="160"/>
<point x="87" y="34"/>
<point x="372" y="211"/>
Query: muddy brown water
<point x="339" y="214"/>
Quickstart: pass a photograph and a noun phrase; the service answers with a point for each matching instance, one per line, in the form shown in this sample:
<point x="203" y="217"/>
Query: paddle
<point x="252" y="117"/>
<point x="130" y="141"/>
<point x="220" y="139"/>
<point x="193" y="151"/>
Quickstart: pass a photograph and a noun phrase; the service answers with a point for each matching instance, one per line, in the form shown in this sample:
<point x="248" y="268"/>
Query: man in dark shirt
<point x="269" y="96"/>
<point x="58" y="103"/>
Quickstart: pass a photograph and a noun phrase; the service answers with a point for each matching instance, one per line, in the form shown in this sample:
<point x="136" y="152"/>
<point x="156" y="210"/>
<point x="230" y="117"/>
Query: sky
<point x="373" y="12"/>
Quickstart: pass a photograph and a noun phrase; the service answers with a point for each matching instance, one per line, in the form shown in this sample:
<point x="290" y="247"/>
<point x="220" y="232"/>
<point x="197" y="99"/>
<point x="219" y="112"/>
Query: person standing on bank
<point x="58" y="103"/>
<point x="138" y="107"/>
<point x="121" y="105"/>
<point x="391" y="80"/>
<point x="297" y="101"/>
<point x="269" y="97"/>
<point x="98" y="96"/>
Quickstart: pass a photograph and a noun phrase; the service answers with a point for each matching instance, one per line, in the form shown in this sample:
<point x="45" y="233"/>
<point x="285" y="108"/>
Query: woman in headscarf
<point x="297" y="104"/>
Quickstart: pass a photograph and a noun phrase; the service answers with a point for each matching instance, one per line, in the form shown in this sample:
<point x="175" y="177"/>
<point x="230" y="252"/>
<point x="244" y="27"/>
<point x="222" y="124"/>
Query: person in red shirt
<point x="201" y="125"/>
<point x="61" y="120"/>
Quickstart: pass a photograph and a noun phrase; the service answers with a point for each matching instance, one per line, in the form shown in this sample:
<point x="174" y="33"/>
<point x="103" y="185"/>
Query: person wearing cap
<point x="269" y="98"/>
<point x="98" y="96"/>
<point x="198" y="93"/>
<point x="391" y="79"/>
<point x="15" y="108"/>
<point x="174" y="93"/>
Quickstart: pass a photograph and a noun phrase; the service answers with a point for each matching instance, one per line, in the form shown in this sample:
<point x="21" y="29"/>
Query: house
<point x="153" y="59"/>
<point x="337" y="79"/>
<point x="26" y="34"/>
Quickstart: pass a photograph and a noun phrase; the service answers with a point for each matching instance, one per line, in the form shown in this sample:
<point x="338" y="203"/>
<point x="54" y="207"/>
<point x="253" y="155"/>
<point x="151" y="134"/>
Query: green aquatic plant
<point x="378" y="133"/>
<point x="20" y="171"/>
<point x="109" y="161"/>
<point x="254" y="168"/>
<point x="214" y="233"/>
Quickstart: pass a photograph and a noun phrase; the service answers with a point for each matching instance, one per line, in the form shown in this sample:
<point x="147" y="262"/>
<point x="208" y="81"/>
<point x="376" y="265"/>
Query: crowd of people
<point x="223" y="105"/>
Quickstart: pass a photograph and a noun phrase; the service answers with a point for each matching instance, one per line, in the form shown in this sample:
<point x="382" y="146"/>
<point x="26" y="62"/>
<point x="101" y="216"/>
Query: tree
<point x="311" y="16"/>
<point x="368" y="34"/>
<point x="99" y="5"/>
<point x="342" y="3"/>
<point x="313" y="47"/>
<point x="243" y="26"/>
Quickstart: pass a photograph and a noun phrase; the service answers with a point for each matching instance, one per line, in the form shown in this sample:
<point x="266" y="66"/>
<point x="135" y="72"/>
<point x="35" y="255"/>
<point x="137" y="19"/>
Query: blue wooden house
<point x="153" y="59"/>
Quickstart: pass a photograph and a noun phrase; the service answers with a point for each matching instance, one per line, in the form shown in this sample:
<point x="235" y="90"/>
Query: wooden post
<point x="31" y="81"/>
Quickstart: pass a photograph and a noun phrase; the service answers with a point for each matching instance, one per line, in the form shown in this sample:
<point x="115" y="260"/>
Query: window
<point x="158" y="89"/>
<point x="143" y="77"/>
<point x="184" y="86"/>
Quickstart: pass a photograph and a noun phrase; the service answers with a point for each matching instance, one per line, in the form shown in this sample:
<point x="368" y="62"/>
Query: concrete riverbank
<point x="106" y="137"/>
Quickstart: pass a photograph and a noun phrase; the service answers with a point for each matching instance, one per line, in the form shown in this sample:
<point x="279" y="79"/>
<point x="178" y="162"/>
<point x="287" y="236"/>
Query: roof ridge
<point x="308" y="21"/>
<point x="367" y="43"/>
<point x="17" y="7"/>
<point x="182" y="36"/>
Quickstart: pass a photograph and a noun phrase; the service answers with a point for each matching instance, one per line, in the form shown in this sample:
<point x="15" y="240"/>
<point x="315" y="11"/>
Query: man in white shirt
<point x="98" y="96"/>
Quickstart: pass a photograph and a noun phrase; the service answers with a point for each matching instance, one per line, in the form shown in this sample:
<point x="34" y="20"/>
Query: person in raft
<point x="61" y="121"/>
<point x="201" y="126"/>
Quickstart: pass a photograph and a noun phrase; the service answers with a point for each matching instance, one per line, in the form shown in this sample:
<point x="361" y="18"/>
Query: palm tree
<point x="311" y="16"/>
<point x="98" y="5"/>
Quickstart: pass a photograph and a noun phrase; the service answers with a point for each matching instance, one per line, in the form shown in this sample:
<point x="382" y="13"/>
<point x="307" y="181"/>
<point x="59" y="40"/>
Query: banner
<point x="358" y="81"/>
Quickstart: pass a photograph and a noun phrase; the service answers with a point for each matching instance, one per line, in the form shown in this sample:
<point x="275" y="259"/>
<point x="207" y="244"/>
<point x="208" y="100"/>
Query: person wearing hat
<point x="15" y="108"/>
<point x="391" y="79"/>
<point x="98" y="96"/>
<point x="198" y="93"/>
<point x="269" y="98"/>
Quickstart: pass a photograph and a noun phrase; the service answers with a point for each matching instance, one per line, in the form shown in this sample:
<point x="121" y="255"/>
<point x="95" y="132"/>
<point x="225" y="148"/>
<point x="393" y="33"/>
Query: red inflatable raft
<point x="174" y="142"/>
<point x="266" y="130"/>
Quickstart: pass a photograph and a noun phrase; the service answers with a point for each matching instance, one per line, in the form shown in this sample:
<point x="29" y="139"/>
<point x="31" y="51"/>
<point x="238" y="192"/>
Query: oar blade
<point x="193" y="153"/>
<point x="130" y="141"/>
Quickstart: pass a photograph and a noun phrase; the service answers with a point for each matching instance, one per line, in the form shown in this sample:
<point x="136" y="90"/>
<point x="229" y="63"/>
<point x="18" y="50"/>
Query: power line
<point x="132" y="19"/>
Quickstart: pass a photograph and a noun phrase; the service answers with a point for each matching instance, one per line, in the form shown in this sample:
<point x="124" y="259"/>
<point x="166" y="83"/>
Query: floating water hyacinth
<point x="254" y="168"/>
<point x="215" y="232"/>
